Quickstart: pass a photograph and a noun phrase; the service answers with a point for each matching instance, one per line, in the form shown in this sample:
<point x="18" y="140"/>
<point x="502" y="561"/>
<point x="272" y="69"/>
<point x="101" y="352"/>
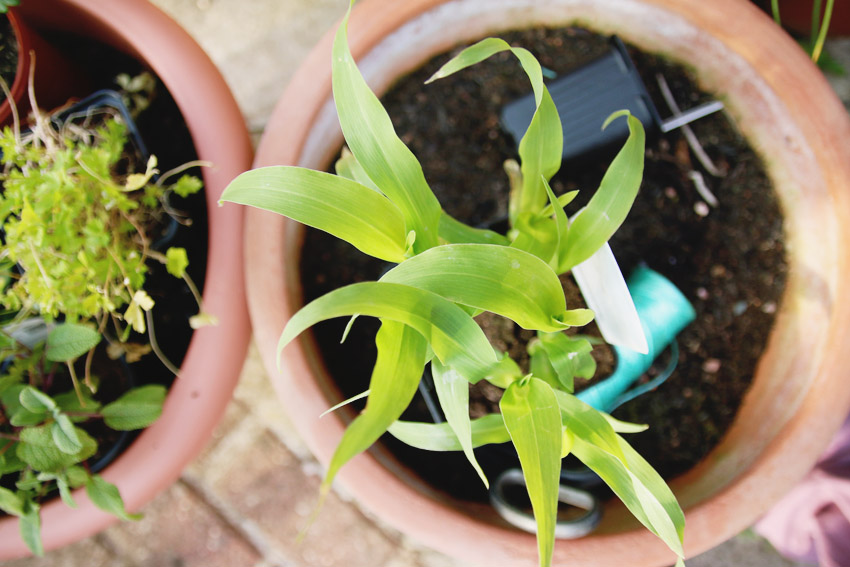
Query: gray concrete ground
<point x="244" y="500"/>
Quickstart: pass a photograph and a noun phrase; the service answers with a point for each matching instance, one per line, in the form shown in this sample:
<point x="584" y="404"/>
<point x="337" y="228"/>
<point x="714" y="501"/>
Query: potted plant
<point x="77" y="218"/>
<point x="785" y="408"/>
<point x="447" y="272"/>
<point x="157" y="456"/>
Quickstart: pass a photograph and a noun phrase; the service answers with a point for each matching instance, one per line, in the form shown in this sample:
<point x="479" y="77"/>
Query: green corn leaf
<point x="453" y="393"/>
<point x="452" y="334"/>
<point x="536" y="235"/>
<point x="607" y="209"/>
<point x="105" y="496"/>
<point x="344" y="208"/>
<point x="347" y="166"/>
<point x="560" y="220"/>
<point x="369" y="134"/>
<point x="569" y="357"/>
<point x="541" y="147"/>
<point x="136" y="409"/>
<point x="453" y="231"/>
<point x="65" y="435"/>
<point x="533" y="419"/>
<point x="486" y="430"/>
<point x="69" y="341"/>
<point x="640" y="488"/>
<point x="450" y="229"/>
<point x="401" y="359"/>
<point x="30" y="527"/>
<point x="588" y="423"/>
<point x="625" y="426"/>
<point x="500" y="279"/>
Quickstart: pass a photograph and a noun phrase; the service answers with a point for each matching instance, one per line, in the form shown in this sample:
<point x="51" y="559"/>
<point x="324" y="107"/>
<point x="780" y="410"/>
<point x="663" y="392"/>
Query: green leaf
<point x="624" y="426"/>
<point x="36" y="401"/>
<point x="38" y="449"/>
<point x="541" y="146"/>
<point x="607" y="209"/>
<point x="453" y="335"/>
<point x="176" y="261"/>
<point x="500" y="279"/>
<point x="11" y="502"/>
<point x="486" y="430"/>
<point x="105" y="496"/>
<point x="569" y="357"/>
<point x="30" y="527"/>
<point x="453" y="394"/>
<point x="65" y="435"/>
<point x="588" y="423"/>
<point x="20" y="416"/>
<point x="136" y="409"/>
<point x="369" y="134"/>
<point x="69" y="403"/>
<point x="401" y="359"/>
<point x="11" y="463"/>
<point x="344" y="208"/>
<point x="186" y="185"/>
<point x="536" y="235"/>
<point x="455" y="232"/>
<point x="65" y="492"/>
<point x="69" y="341"/>
<point x="533" y="419"/>
<point x="639" y="487"/>
<point x="347" y="166"/>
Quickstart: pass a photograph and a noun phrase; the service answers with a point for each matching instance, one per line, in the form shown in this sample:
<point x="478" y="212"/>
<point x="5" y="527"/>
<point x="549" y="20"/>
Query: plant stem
<point x="76" y="383"/>
<point x="774" y="8"/>
<point x="155" y="346"/>
<point x="827" y="16"/>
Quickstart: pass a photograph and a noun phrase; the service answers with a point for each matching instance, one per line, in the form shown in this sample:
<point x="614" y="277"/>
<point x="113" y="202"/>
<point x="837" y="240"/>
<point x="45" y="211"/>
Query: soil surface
<point x="728" y="259"/>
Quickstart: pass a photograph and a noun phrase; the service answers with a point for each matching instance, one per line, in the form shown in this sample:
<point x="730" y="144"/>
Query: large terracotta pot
<point x="800" y="393"/>
<point x="215" y="356"/>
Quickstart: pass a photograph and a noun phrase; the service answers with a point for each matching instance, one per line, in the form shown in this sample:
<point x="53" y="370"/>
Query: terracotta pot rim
<point x="730" y="477"/>
<point x="199" y="396"/>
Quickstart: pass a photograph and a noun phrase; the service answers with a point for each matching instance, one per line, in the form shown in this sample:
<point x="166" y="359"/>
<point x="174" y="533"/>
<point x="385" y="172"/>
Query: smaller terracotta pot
<point x="215" y="356"/>
<point x="54" y="74"/>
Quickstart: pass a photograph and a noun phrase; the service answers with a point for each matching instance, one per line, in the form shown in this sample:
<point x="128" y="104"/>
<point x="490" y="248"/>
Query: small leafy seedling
<point x="448" y="272"/>
<point x="43" y="443"/>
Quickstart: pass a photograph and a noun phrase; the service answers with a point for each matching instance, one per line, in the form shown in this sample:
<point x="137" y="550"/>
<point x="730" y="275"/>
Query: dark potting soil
<point x="8" y="52"/>
<point x="727" y="259"/>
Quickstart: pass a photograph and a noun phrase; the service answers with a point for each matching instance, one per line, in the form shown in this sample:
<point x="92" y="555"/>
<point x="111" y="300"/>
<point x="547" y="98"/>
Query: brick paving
<point x="246" y="498"/>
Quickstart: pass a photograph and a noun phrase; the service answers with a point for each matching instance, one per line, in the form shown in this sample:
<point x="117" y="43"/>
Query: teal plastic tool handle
<point x="663" y="311"/>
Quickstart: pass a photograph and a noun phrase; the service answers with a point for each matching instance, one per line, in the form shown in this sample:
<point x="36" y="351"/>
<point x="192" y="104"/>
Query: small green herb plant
<point x="448" y="272"/>
<point x="75" y="227"/>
